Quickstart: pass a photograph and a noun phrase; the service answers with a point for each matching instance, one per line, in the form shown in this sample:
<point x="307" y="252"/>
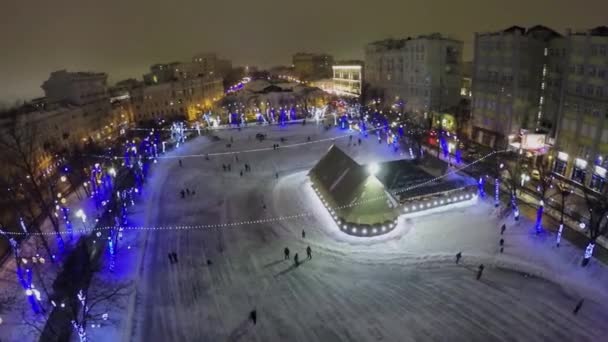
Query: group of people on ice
<point x="296" y="258"/>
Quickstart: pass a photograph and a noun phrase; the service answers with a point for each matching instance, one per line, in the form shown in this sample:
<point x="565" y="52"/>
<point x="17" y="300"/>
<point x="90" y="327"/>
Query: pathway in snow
<point x="399" y="287"/>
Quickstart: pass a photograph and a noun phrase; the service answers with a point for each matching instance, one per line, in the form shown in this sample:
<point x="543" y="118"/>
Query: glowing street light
<point x="373" y="168"/>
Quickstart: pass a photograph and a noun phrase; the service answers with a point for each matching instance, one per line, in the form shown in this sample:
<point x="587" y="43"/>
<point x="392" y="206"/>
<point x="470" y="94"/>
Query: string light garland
<point x="262" y="149"/>
<point x="259" y="221"/>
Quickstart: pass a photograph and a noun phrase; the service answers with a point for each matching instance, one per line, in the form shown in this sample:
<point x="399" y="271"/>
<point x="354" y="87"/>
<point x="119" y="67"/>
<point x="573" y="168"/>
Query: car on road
<point x="260" y="136"/>
<point x="535" y="174"/>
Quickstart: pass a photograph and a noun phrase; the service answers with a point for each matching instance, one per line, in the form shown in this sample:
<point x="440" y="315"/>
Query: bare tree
<point x="598" y="221"/>
<point x="512" y="176"/>
<point x="545" y="184"/>
<point x="22" y="148"/>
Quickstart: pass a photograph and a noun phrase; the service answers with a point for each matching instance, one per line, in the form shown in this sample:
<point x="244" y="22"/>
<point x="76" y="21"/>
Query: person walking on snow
<point x="241" y="173"/>
<point x="174" y="257"/>
<point x="296" y="261"/>
<point x="276" y="175"/>
<point x="183" y="193"/>
<point x="253" y="316"/>
<point x="458" y="257"/>
<point x="180" y="163"/>
<point x="480" y="271"/>
<point x="224" y="167"/>
<point x="187" y="191"/>
<point x="501" y="242"/>
<point x="286" y="252"/>
<point x="170" y="258"/>
<point x="308" y="253"/>
<point x="502" y="229"/>
<point x="578" y="306"/>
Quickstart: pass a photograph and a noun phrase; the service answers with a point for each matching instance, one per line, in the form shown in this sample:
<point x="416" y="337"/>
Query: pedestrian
<point x="193" y="192"/>
<point x="502" y="249"/>
<point x="209" y="263"/>
<point x="207" y="156"/>
<point x="237" y="158"/>
<point x="480" y="271"/>
<point x="187" y="191"/>
<point x="501" y="242"/>
<point x="276" y="175"/>
<point x="308" y="138"/>
<point x="502" y="229"/>
<point x="175" y="257"/>
<point x="224" y="167"/>
<point x="253" y="316"/>
<point x="264" y="206"/>
<point x="180" y="163"/>
<point x="458" y="257"/>
<point x="170" y="258"/>
<point x="286" y="252"/>
<point x="183" y="193"/>
<point x="241" y="173"/>
<point x="303" y="234"/>
<point x="231" y="139"/>
<point x="296" y="261"/>
<point x="308" y="252"/>
<point x="578" y="306"/>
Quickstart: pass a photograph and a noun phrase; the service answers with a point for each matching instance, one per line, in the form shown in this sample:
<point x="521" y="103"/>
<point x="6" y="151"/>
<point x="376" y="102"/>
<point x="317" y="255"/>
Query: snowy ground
<point x="398" y="287"/>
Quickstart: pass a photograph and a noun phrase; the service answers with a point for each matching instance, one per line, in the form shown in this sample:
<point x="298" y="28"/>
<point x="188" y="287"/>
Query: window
<point x="591" y="70"/>
<point x="599" y="92"/>
<point x="593" y="50"/>
<point x="602" y="50"/>
<point x="601" y="73"/>
<point x="578" y="89"/>
<point x="590" y="90"/>
<point x="581" y="69"/>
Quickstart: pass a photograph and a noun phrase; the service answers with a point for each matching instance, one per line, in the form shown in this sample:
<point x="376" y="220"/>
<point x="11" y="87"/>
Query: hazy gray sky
<point x="123" y="37"/>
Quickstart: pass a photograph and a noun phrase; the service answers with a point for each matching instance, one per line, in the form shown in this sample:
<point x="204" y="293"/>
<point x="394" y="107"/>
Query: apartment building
<point x="424" y="72"/>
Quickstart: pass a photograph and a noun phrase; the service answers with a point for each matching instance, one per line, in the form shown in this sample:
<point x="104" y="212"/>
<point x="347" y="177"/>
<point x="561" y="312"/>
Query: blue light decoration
<point x="480" y="186"/>
<point x="496" y="193"/>
<point x="344" y="122"/>
<point x="400" y="131"/>
<point x="458" y="156"/>
<point x="539" y="218"/>
<point x="68" y="224"/>
<point x="25" y="281"/>
<point x="444" y="146"/>
<point x="234" y="119"/>
<point x="514" y="205"/>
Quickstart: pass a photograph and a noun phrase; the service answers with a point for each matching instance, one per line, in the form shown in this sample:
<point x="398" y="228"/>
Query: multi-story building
<point x="581" y="152"/>
<point x="311" y="66"/>
<point x="348" y="78"/>
<point x="424" y="72"/>
<point x="77" y="88"/>
<point x="510" y="90"/>
<point x="185" y="97"/>
<point x="202" y="64"/>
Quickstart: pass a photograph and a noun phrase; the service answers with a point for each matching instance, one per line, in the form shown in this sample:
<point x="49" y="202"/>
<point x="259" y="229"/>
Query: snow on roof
<point x="361" y="197"/>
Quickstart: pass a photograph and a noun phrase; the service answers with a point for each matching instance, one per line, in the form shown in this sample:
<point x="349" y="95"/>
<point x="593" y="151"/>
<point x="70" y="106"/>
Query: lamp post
<point x="81" y="215"/>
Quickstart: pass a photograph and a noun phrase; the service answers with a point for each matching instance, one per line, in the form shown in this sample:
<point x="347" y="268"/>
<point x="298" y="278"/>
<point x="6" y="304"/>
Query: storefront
<point x="598" y="180"/>
<point x="579" y="172"/>
<point x="560" y="163"/>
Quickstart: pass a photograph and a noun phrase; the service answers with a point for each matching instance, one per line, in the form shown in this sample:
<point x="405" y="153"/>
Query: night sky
<point x="123" y="37"/>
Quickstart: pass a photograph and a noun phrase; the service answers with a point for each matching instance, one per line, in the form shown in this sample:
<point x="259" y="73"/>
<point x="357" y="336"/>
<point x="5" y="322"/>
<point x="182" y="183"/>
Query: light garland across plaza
<point x="258" y="221"/>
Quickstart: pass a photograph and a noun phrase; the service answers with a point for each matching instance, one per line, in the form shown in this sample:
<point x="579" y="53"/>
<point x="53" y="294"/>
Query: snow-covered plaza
<point x="402" y="286"/>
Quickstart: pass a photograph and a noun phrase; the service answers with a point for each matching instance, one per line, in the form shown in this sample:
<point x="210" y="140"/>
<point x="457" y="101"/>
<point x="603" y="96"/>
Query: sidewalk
<point x="551" y="217"/>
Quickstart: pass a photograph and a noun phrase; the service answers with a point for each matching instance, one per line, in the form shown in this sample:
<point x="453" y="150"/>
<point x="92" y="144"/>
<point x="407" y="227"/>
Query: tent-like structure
<point x="356" y="199"/>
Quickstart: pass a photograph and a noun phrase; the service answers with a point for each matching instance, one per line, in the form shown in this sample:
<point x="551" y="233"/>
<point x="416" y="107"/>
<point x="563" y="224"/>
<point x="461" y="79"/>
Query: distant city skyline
<point x="125" y="38"/>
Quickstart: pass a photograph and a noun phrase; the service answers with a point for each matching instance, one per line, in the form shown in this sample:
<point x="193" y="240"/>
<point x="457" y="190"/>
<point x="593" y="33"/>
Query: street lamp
<point x="373" y="168"/>
<point x="81" y="215"/>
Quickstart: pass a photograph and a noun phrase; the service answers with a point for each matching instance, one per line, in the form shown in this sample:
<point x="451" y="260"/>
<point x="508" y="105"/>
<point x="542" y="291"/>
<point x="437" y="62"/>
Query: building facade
<point x="348" y="78"/>
<point x="186" y="98"/>
<point x="581" y="150"/>
<point x="77" y="88"/>
<point x="310" y="66"/>
<point x="424" y="72"/>
<point x="510" y="84"/>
